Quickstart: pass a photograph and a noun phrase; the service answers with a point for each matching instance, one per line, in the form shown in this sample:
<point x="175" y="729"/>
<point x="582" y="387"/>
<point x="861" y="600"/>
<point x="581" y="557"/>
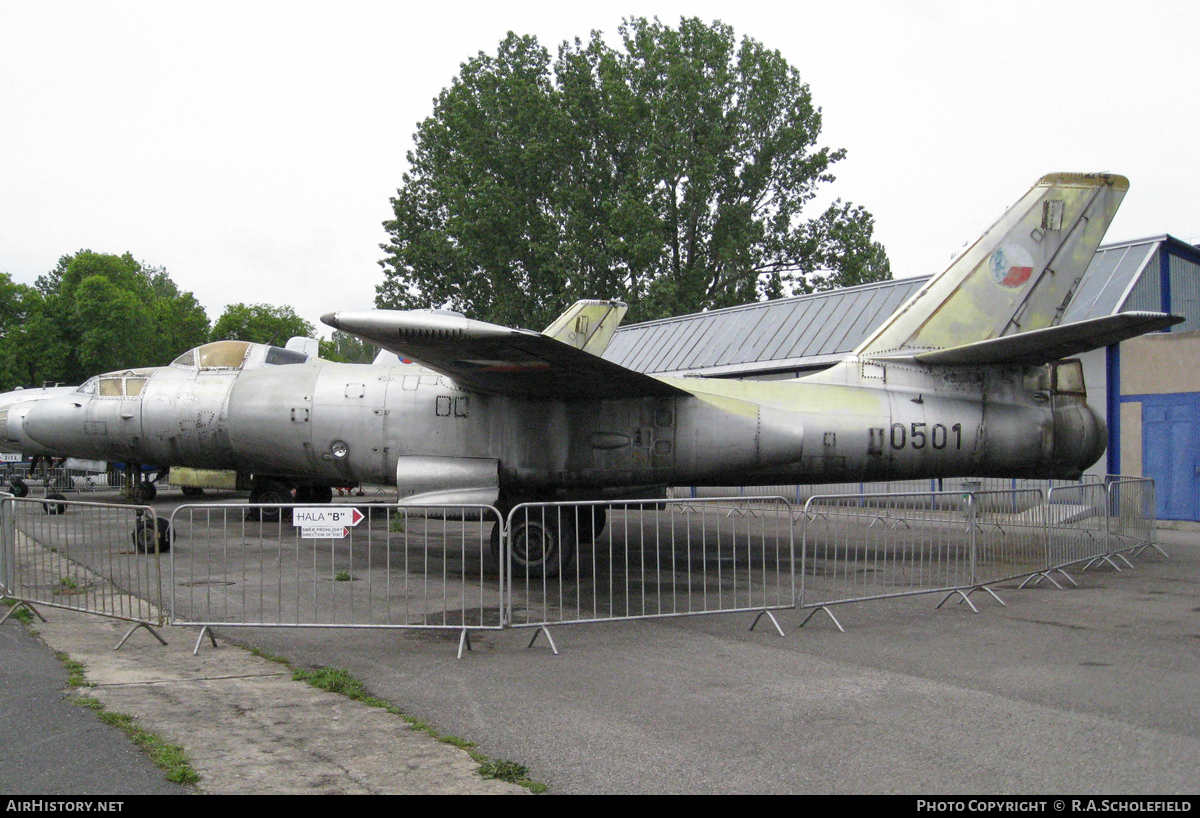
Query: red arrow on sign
<point x="356" y="516"/>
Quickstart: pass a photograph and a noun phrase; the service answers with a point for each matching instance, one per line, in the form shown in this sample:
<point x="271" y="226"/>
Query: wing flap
<point x="497" y="360"/>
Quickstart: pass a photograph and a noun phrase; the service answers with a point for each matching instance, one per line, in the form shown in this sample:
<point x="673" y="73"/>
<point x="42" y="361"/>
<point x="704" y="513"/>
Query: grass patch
<point x="75" y="677"/>
<point x="22" y="614"/>
<point x="342" y="576"/>
<point x="337" y="680"/>
<point x="396" y="524"/>
<point x="270" y="657"/>
<point x="170" y="758"/>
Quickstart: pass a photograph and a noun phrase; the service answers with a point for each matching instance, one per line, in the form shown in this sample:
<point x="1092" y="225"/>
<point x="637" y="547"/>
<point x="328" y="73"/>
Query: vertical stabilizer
<point x="1020" y="275"/>
<point x="588" y="325"/>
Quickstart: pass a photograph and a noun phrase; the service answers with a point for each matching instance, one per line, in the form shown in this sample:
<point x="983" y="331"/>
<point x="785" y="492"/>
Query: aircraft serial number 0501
<point x="920" y="435"/>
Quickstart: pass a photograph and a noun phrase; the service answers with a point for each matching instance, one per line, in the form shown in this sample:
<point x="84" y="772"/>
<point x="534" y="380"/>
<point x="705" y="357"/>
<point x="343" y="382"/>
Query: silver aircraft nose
<point x="57" y="423"/>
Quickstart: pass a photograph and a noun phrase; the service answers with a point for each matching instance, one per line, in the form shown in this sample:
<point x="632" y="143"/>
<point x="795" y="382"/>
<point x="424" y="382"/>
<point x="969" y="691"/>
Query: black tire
<point x="268" y="491"/>
<point x="192" y="491"/>
<point x="317" y="495"/>
<point x="54" y="508"/>
<point x="144" y="492"/>
<point x="541" y="546"/>
<point x="18" y="487"/>
<point x="589" y="521"/>
<point x="494" y="544"/>
<point x="143" y="536"/>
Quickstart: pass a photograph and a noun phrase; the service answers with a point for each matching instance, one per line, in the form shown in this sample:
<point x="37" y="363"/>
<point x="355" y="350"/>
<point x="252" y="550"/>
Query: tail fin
<point x="588" y="325"/>
<point x="1020" y="275"/>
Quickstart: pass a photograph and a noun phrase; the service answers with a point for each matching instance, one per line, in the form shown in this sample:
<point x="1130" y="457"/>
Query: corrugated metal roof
<point x="820" y="329"/>
<point x="789" y="332"/>
<point x="1110" y="278"/>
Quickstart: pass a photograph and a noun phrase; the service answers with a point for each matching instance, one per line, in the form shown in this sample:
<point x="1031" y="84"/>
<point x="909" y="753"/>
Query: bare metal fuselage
<point x="404" y="425"/>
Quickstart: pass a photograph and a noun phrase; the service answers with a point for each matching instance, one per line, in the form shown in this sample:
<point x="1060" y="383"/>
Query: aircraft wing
<point x="498" y="360"/>
<point x="1041" y="346"/>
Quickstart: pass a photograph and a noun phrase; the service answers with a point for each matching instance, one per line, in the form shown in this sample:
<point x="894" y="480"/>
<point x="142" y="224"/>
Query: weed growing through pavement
<point x="22" y="614"/>
<point x="170" y="758"/>
<point x="337" y="680"/>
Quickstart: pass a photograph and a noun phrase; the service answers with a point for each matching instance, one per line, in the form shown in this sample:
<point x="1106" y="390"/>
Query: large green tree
<point x="673" y="172"/>
<point x="94" y="312"/>
<point x="32" y="350"/>
<point x="261" y="324"/>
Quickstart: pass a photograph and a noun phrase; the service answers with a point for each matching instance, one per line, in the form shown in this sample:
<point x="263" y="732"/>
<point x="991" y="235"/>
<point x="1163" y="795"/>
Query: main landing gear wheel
<point x="314" y="494"/>
<point x="143" y="492"/>
<point x="541" y="547"/>
<point x="54" y="508"/>
<point x="590" y="522"/>
<point x="268" y="491"/>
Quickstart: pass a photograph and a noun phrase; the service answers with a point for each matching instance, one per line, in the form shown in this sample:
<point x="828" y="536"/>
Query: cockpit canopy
<point x="223" y="356"/>
<point x="126" y="382"/>
<point x="237" y="355"/>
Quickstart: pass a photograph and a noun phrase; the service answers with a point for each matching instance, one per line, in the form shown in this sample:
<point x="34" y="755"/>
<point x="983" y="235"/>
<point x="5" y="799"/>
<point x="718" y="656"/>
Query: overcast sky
<point x="251" y="147"/>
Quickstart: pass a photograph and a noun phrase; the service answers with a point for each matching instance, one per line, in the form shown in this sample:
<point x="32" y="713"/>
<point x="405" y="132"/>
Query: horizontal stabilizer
<point x="1041" y="346"/>
<point x="497" y="360"/>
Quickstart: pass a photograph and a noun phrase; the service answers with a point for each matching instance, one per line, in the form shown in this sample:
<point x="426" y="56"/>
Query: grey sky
<point x="251" y="147"/>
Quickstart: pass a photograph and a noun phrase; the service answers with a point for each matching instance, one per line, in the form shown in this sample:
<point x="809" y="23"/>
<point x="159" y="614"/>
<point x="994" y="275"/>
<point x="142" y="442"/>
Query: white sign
<point x="325" y="522"/>
<point x="7" y="457"/>
<point x="317" y="516"/>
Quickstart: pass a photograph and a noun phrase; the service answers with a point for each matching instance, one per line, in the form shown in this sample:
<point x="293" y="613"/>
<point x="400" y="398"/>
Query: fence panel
<point x="1076" y="524"/>
<point x="92" y="557"/>
<point x="57" y="480"/>
<point x="643" y="559"/>
<point x="1133" y="513"/>
<point x="1010" y="534"/>
<point x="391" y="566"/>
<point x="872" y="546"/>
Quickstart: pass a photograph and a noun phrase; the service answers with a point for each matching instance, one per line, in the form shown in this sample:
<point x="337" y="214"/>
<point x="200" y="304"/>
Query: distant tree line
<point x="98" y="312"/>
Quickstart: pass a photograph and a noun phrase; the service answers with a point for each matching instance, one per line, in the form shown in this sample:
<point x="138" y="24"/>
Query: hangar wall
<point x="1160" y="418"/>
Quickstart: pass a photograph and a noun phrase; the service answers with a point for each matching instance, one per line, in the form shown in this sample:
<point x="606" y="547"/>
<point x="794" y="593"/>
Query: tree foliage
<point x="673" y="173"/>
<point x="260" y="324"/>
<point x="93" y="312"/>
<point x="349" y="349"/>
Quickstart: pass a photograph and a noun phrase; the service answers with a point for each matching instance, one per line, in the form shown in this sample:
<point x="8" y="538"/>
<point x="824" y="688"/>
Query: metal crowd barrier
<point x="1132" y="514"/>
<point x="574" y="563"/>
<point x="94" y="558"/>
<point x="1076" y="525"/>
<point x="335" y="565"/>
<point x="58" y="480"/>
<point x="877" y="546"/>
<point x="463" y="568"/>
<point x="873" y="546"/>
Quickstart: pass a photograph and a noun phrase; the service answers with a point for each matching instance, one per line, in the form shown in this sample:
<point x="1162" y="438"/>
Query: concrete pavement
<point x="247" y="726"/>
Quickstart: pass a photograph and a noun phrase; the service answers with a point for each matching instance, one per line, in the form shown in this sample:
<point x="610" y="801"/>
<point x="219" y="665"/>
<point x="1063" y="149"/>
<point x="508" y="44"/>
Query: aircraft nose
<point x="55" y="422"/>
<point x="330" y="319"/>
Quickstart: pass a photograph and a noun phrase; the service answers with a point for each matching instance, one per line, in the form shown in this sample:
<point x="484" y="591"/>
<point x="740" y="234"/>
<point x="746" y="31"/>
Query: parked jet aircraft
<point x="966" y="378"/>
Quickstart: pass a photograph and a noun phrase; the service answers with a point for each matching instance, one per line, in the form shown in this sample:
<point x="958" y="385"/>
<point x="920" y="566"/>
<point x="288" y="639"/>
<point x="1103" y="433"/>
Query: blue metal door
<point x="1171" y="453"/>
